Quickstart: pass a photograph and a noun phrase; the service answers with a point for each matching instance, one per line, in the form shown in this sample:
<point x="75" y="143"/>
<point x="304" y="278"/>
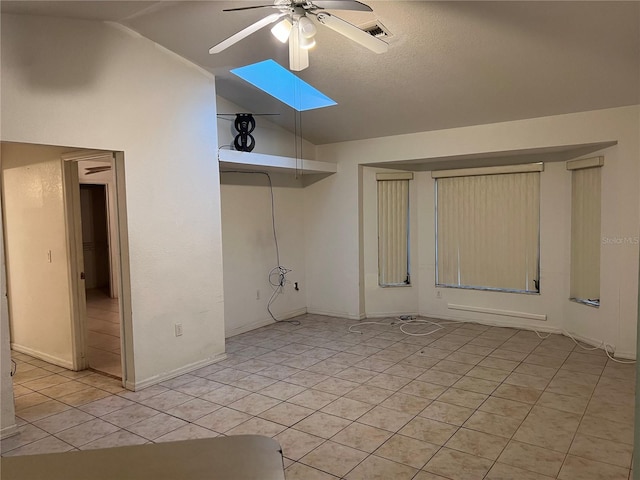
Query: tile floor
<point x="467" y="402"/>
<point x="103" y="324"/>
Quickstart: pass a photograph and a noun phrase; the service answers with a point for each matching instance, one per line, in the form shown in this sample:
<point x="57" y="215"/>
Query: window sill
<point x="588" y="303"/>
<point x="395" y="285"/>
<point x="488" y="289"/>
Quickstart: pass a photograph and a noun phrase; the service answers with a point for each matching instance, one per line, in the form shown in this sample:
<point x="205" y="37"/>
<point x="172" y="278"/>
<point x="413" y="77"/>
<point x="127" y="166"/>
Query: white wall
<point x="332" y="238"/>
<point x="249" y="253"/>
<point x="7" y="408"/>
<point x="38" y="282"/>
<point x="91" y="85"/>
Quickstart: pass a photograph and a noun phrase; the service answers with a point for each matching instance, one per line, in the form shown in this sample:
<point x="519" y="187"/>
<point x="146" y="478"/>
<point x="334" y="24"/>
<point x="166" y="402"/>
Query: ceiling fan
<point x="297" y="25"/>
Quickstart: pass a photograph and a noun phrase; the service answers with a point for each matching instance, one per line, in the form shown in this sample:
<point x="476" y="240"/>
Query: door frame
<point x="71" y="193"/>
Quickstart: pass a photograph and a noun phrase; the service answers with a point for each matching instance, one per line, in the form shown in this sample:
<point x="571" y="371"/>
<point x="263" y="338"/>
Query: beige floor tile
<point x="428" y="430"/>
<point x="287" y="413"/>
<point x="30" y="400"/>
<point x="27" y="433"/>
<point x="167" y="400"/>
<point x="476" y="349"/>
<point x="447" y="412"/>
<point x="296" y="444"/>
<point x="467" y="358"/>
<point x="306" y="379"/>
<point x="322" y="424"/>
<point x="536" y="370"/>
<point x="599" y="407"/>
<point x="313" y="399"/>
<point x="282" y="390"/>
<point x="358" y="375"/>
<point x="369" y="394"/>
<point x="462" y="398"/>
<point x="119" y="438"/>
<point x="439" y="377"/>
<point x="90" y="394"/>
<point x="544" y="361"/>
<point x="405" y="370"/>
<point x="362" y="437"/>
<point x="458" y="465"/>
<point x="532" y="458"/>
<point x="477" y="385"/>
<point x="225" y="395"/>
<point x="23" y="376"/>
<point x="406" y="403"/>
<point x="608" y="430"/>
<point x="47" y="444"/>
<point x="299" y="471"/>
<point x="106" y="405"/>
<point x="577" y="468"/>
<point x="499" y="364"/>
<point x="64" y="389"/>
<point x="253" y="383"/>
<point x="42" y="410"/>
<point x="564" y="403"/>
<point x="426" y="390"/>
<point x="227" y="375"/>
<point x="493" y="424"/>
<point x="347" y="408"/>
<point x="519" y="394"/>
<point x="385" y="418"/>
<point x="222" y="420"/>
<point x="508" y="355"/>
<point x="452" y="367"/>
<point x="63" y="420"/>
<point x="477" y="443"/>
<point x="156" y="426"/>
<point x="407" y="450"/>
<point x="199" y="387"/>
<point x="601" y="450"/>
<point x="144" y="393"/>
<point x="506" y="408"/>
<point x="336" y="386"/>
<point x="569" y="387"/>
<point x="376" y="468"/>
<point x="254" y="404"/>
<point x="524" y="380"/>
<point x="501" y="471"/>
<point x="257" y="426"/>
<point x="188" y="432"/>
<point x="389" y="382"/>
<point x="422" y="475"/>
<point x="485" y="373"/>
<point x="86" y="432"/>
<point x="548" y="428"/>
<point x="129" y="415"/>
<point x="334" y="458"/>
<point x="193" y="409"/>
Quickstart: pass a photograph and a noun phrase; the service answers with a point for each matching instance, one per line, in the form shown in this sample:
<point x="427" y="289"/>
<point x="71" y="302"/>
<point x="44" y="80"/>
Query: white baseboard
<point x="147" y="382"/>
<point x="263" y="323"/>
<point x="8" y="431"/>
<point x="328" y="313"/>
<point x="496" y="322"/>
<point x="624" y="355"/>
<point x="391" y="314"/>
<point x="42" y="356"/>
<point x="493" y="311"/>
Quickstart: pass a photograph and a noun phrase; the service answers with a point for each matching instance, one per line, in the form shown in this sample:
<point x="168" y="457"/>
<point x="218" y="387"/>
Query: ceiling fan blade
<point x="245" y="32"/>
<point x="342" y="5"/>
<point x="352" y="32"/>
<point x="247" y="8"/>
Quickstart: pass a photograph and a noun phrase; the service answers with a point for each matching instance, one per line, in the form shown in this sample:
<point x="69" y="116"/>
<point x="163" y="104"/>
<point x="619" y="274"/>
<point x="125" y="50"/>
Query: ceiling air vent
<point x="377" y="29"/>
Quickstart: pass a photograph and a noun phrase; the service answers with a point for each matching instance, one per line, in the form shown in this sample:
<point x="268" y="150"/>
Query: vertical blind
<point x="393" y="230"/>
<point x="585" y="234"/>
<point x="488" y="231"/>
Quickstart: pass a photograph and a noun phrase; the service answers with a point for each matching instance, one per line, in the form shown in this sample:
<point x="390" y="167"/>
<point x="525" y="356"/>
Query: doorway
<point x="102" y="309"/>
<point x="43" y="192"/>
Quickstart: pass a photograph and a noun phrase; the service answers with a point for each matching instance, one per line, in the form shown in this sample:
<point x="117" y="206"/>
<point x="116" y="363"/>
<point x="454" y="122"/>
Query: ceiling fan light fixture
<point x="306" y="28"/>
<point x="306" y="43"/>
<point x="282" y="30"/>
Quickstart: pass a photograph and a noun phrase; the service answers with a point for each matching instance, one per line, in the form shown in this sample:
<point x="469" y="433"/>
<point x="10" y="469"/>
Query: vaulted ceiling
<point x="449" y="64"/>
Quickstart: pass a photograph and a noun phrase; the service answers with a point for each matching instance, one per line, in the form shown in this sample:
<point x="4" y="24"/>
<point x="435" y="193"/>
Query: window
<point x="393" y="229"/>
<point x="585" y="230"/>
<point x="487" y="228"/>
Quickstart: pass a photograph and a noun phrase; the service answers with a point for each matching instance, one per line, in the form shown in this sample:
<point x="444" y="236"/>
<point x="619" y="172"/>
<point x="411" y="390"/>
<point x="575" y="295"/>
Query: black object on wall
<point x="244" y="124"/>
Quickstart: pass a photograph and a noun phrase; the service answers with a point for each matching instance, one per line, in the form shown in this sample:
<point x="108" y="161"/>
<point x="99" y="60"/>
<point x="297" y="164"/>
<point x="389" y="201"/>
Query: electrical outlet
<point x="178" y="329"/>
<point x="438" y="294"/>
<point x="258" y="294"/>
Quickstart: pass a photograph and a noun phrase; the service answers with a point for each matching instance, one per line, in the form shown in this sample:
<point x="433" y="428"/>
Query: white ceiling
<point x="452" y="63"/>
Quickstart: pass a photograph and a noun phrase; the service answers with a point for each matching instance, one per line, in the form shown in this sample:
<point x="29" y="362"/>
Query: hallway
<point x="103" y="325"/>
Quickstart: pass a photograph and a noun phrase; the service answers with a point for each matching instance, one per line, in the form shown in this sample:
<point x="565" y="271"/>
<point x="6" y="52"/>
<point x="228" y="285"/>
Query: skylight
<point x="280" y="83"/>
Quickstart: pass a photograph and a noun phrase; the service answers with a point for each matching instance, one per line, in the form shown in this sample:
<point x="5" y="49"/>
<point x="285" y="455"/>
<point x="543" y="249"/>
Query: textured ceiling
<point x="451" y="64"/>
